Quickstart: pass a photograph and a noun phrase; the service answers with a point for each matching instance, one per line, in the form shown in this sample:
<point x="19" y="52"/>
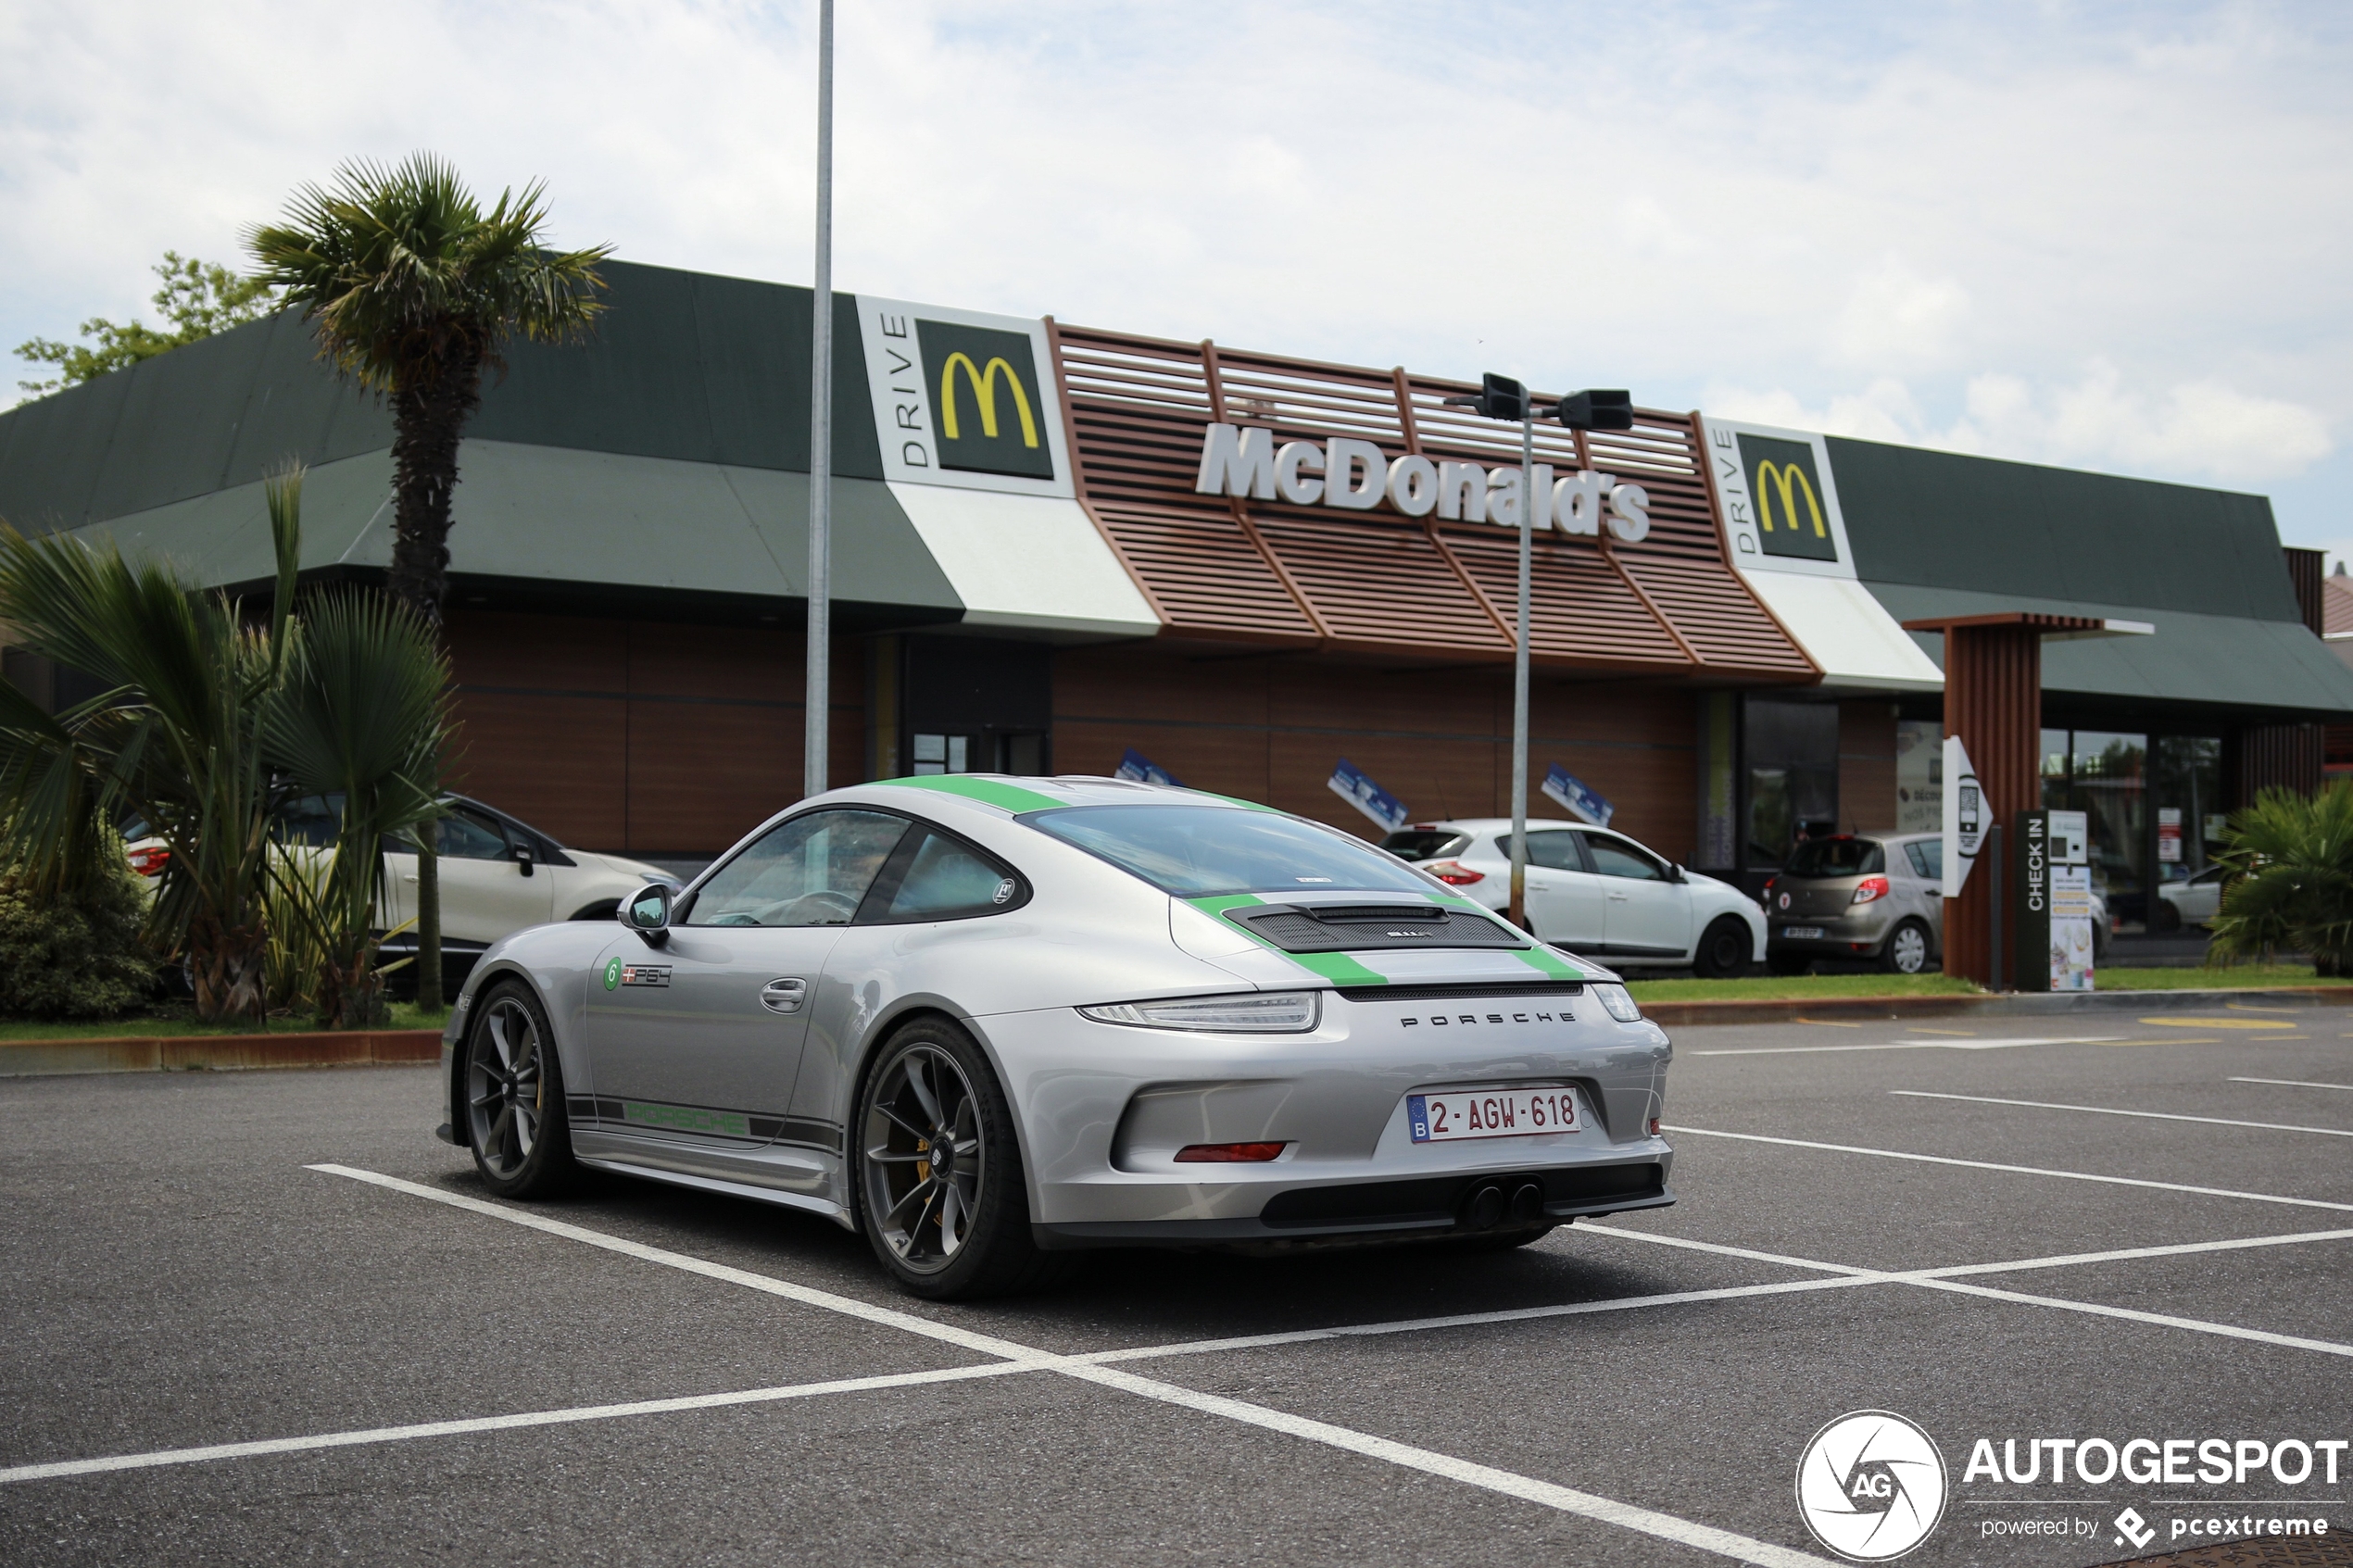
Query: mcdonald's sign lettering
<point x="1787" y="494"/>
<point x="988" y="414"/>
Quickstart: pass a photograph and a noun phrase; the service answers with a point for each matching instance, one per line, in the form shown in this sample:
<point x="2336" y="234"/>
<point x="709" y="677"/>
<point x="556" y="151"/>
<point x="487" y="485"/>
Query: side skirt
<point x="802" y="1202"/>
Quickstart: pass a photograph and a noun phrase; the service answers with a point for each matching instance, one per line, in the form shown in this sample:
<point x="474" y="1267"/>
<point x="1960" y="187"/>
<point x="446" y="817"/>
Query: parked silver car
<point x="1853" y="898"/>
<point x="984" y="1018"/>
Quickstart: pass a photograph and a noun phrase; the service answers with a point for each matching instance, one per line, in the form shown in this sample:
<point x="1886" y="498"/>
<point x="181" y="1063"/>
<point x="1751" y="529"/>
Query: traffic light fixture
<point x="1596" y="410"/>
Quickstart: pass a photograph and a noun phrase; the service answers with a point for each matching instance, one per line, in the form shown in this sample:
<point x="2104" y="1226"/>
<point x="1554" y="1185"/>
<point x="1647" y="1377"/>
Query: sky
<point x="2102" y="236"/>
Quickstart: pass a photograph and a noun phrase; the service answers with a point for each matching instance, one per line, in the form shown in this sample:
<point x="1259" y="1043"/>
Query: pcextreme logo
<point x="1871" y="1485"/>
<point x="962" y="399"/>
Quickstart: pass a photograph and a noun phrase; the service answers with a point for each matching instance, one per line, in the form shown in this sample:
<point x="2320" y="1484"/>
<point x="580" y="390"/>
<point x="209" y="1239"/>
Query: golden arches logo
<point x="1786" y="480"/>
<point x="984" y="386"/>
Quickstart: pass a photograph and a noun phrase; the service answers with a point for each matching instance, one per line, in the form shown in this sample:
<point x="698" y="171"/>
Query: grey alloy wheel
<point x="507" y="1084"/>
<point x="926" y="1158"/>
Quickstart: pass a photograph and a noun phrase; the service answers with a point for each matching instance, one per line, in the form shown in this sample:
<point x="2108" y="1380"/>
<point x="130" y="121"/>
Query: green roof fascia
<point x="2277" y="668"/>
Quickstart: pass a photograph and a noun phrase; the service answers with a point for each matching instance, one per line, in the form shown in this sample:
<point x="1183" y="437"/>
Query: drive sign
<point x="1965" y="816"/>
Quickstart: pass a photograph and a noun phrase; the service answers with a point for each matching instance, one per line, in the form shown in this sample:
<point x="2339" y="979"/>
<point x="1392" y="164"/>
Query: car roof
<point x="1007" y="794"/>
<point x="1490" y="824"/>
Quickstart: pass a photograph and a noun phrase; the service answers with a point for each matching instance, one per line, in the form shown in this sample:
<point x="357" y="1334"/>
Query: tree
<point x="415" y="292"/>
<point x="173" y="737"/>
<point x="2291" y="880"/>
<point x="198" y="298"/>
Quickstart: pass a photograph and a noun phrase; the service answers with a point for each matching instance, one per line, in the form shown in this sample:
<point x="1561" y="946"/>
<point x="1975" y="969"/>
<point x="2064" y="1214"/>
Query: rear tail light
<point x="150" y="860"/>
<point x="1227" y="1153"/>
<point x="1453" y="873"/>
<point x="1871" y="888"/>
<point x="1259" y="1012"/>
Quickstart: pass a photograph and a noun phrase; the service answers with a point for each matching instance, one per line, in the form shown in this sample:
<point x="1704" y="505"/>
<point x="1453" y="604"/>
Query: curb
<point x="1849" y="1010"/>
<point x="219" y="1053"/>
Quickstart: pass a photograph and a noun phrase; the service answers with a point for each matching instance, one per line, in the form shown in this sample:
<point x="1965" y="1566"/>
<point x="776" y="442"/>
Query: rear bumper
<point x="1842" y="937"/>
<point x="1428" y="1207"/>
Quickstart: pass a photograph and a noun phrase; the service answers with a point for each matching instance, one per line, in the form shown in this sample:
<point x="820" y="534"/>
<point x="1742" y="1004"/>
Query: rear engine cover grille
<point x="1356" y="927"/>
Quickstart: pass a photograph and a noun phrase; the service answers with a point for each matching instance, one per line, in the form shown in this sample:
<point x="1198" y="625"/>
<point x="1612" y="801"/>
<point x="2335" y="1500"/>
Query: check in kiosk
<point x="2051" y="901"/>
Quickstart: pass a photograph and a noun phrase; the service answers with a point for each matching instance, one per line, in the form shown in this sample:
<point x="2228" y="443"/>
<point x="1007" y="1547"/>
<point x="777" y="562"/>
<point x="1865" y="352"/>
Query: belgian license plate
<point x="1493" y="1113"/>
<point x="1803" y="932"/>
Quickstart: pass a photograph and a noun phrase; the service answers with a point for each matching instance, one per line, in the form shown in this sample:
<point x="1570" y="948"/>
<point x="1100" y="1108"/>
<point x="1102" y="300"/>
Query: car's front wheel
<point x="940" y="1194"/>
<point x="1723" y="948"/>
<point x="515" y="1119"/>
<point x="1906" y="950"/>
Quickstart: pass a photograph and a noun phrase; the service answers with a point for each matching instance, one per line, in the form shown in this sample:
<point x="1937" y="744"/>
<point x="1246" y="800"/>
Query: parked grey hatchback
<point x="1847" y="897"/>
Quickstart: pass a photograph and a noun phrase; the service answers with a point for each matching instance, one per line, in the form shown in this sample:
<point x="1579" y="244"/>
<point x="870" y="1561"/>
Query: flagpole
<point x="817" y="713"/>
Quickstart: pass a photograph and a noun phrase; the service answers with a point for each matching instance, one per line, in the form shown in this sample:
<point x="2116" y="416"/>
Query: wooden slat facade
<point x="1374" y="582"/>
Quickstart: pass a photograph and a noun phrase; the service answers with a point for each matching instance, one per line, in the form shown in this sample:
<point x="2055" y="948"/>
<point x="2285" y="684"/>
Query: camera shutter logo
<point x="1871" y="1485"/>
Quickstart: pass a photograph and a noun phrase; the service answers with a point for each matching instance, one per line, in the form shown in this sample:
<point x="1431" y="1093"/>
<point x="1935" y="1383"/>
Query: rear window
<point x="1837" y="856"/>
<point x="1424" y="844"/>
<point x="1195" y="850"/>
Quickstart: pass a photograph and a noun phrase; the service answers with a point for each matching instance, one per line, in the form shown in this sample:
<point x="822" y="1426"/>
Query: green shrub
<point x="77" y="955"/>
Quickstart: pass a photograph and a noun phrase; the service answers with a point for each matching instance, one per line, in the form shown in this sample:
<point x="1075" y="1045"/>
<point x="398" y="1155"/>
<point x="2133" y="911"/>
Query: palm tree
<point x="361" y="719"/>
<point x="416" y="290"/>
<point x="2291" y="883"/>
<point x="174" y="738"/>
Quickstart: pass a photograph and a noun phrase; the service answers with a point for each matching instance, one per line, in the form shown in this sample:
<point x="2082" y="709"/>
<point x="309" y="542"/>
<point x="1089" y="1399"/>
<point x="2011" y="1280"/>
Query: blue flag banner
<point x="1583" y="801"/>
<point x="1350" y="783"/>
<point x="1137" y="768"/>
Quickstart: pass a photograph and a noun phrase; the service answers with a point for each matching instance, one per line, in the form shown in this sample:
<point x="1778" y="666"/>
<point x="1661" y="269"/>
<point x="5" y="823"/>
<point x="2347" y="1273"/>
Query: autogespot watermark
<point x="1872" y="1484"/>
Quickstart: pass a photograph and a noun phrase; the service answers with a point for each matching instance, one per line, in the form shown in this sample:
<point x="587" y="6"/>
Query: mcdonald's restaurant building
<point x="1066" y="549"/>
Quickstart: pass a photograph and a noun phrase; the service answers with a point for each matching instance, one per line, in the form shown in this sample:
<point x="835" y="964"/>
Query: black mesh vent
<point x="1356" y="927"/>
<point x="1461" y="993"/>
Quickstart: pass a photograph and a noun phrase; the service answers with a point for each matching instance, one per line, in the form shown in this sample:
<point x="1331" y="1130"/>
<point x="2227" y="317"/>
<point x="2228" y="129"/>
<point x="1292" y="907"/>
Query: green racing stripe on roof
<point x="1338" y="967"/>
<point x="989" y="792"/>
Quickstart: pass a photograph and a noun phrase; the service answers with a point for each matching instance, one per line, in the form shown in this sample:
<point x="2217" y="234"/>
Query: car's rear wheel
<point x="515" y="1119"/>
<point x="1723" y="948"/>
<point x="940" y="1194"/>
<point x="1906" y="949"/>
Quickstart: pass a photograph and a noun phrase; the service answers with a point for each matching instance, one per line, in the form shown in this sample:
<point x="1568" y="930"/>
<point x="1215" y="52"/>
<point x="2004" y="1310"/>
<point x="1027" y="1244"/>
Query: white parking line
<point x="1946" y="1279"/>
<point x="2015" y="1170"/>
<point x="501" y="1423"/>
<point x="2111" y="1111"/>
<point x="1665" y="1526"/>
<point x="1920" y="1046"/>
<point x="2290" y="1082"/>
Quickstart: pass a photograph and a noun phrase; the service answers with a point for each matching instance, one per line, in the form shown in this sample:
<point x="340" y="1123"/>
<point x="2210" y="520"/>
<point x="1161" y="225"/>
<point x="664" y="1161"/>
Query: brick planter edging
<point x="219" y="1053"/>
<point x="1855" y="1010"/>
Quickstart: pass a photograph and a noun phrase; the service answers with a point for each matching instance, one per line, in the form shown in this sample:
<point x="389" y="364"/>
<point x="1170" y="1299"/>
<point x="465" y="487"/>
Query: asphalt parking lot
<point x="2055" y="1228"/>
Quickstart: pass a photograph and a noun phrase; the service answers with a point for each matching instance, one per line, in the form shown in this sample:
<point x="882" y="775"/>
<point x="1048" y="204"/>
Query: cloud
<point x="1865" y="205"/>
<point x="2192" y="430"/>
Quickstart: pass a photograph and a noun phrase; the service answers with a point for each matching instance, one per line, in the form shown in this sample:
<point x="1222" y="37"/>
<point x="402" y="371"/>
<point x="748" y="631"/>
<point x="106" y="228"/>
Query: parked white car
<point x="498" y="875"/>
<point x="1593" y="891"/>
<point x="2193" y="902"/>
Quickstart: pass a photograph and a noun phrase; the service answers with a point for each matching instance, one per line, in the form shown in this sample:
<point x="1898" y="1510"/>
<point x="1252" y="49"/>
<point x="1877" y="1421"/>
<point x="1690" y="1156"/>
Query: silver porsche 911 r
<point x="989" y="1021"/>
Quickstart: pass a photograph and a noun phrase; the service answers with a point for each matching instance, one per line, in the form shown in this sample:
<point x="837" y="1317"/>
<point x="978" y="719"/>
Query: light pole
<point x="815" y="773"/>
<point x="1500" y="397"/>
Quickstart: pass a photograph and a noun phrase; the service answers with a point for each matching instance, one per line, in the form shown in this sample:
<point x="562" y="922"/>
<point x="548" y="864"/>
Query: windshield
<point x="1193" y="850"/>
<point x="1837" y="856"/>
<point x="1423" y="844"/>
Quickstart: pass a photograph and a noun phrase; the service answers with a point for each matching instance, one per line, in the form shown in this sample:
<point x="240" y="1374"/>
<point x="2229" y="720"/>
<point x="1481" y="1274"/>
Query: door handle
<point x="1617" y="897"/>
<point x="783" y="995"/>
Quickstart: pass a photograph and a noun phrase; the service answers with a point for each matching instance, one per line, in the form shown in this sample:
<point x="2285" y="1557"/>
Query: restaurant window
<point x="2188" y="771"/>
<point x="2104" y="775"/>
<point x="1792" y="777"/>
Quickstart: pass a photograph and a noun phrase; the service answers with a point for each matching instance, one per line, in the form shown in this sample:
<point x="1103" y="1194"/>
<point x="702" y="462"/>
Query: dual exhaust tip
<point x="1488" y="1204"/>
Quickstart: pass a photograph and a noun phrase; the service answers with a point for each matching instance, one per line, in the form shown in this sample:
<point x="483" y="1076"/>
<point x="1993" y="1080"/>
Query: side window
<point x="1554" y="851"/>
<point x="944" y="880"/>
<point x="811" y="871"/>
<point x="466" y="835"/>
<point x="1615" y="856"/>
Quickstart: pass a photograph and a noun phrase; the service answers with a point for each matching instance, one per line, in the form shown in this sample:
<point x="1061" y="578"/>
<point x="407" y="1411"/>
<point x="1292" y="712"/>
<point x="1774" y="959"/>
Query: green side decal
<point x="688" y="1119"/>
<point x="1540" y="957"/>
<point x="1338" y="967"/>
<point x="989" y="792"/>
<point x="612" y="973"/>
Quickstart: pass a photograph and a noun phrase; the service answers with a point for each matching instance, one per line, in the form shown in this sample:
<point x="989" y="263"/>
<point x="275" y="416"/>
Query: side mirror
<point x="647" y="913"/>
<point x="523" y="858"/>
<point x="1675" y="873"/>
